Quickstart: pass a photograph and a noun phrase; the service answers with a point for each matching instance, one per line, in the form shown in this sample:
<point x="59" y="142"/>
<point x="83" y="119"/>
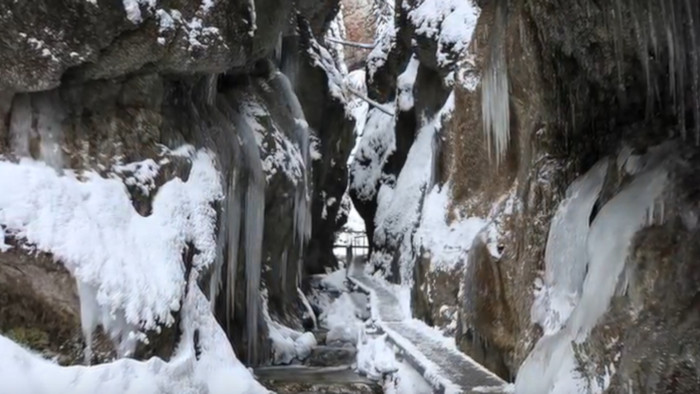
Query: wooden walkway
<point x="444" y="367"/>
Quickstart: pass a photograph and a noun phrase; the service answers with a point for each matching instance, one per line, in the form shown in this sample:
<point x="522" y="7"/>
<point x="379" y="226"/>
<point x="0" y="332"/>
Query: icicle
<point x="234" y="234"/>
<point x="283" y="268"/>
<point x="694" y="69"/>
<point x="124" y="336"/>
<point x="642" y="37"/>
<point x="253" y="18"/>
<point x="495" y="108"/>
<point x="307" y="305"/>
<point x="253" y="230"/>
<point x="210" y="90"/>
<point x="282" y="84"/>
<point x="21" y="125"/>
<point x="89" y="317"/>
<point x="617" y="46"/>
<point x="48" y="123"/>
<point x="302" y="200"/>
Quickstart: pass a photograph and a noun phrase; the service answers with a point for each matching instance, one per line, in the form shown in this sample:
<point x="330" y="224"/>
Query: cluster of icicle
<point x="666" y="34"/>
<point x="244" y="215"/>
<point x="494" y="89"/>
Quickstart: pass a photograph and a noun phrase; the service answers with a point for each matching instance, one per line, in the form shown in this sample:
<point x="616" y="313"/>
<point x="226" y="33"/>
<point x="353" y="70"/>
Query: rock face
<point x="542" y="92"/>
<point x="92" y="85"/>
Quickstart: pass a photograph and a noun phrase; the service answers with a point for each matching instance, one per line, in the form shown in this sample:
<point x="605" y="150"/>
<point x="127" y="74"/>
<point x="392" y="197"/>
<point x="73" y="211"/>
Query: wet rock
<point x="329" y="356"/>
<point x="39" y="304"/>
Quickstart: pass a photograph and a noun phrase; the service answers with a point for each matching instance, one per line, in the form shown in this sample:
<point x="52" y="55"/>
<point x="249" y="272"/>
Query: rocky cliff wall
<point x="541" y="93"/>
<point x="93" y="86"/>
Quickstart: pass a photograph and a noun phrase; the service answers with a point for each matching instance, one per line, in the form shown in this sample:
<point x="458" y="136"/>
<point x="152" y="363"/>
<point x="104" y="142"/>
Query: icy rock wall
<point x="103" y="99"/>
<point x="571" y="85"/>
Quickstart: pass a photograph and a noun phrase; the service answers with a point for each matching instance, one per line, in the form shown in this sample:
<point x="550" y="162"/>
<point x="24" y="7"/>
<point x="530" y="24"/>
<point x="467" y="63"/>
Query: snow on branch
<point x="370" y="101"/>
<point x="361" y="45"/>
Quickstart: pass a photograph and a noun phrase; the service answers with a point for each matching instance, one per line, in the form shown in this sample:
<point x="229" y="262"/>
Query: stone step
<point x="331" y="356"/>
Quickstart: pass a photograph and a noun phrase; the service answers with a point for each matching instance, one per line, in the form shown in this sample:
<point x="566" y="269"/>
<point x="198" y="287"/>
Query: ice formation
<point x="39" y="118"/>
<point x="566" y="257"/>
<point x="204" y="363"/>
<point x="551" y="367"/>
<point x="302" y="199"/>
<point x="287" y="344"/>
<point x="495" y="106"/>
<point x="253" y="203"/>
<point x="92" y="228"/>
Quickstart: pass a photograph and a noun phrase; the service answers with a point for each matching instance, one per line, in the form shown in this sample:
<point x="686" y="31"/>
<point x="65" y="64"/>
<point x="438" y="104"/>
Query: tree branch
<point x="351" y="44"/>
<point x="370" y="101"/>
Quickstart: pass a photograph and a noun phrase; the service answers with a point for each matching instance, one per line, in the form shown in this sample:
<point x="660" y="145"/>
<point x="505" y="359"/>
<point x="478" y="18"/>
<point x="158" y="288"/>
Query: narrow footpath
<point x="447" y="369"/>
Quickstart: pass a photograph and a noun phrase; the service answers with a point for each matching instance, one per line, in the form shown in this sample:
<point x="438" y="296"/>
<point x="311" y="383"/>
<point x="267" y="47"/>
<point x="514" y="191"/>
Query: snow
<point x="341" y="320"/>
<point x="133" y="10"/>
<point x="253" y="18"/>
<point x="404" y="84"/>
<point x="165" y="21"/>
<point x="566" y="257"/>
<point x="450" y="22"/>
<point x="324" y="60"/>
<point x="196" y="34"/>
<point x="336" y="30"/>
<point x="335" y="281"/>
<point x="375" y="358"/>
<point x="407" y="380"/>
<point x="287" y="344"/>
<point x="552" y="366"/>
<point x="447" y="243"/>
<point x="385" y="42"/>
<point x="399" y="207"/>
<point x="3" y="246"/>
<point x="208" y="366"/>
<point x="90" y="225"/>
<point x="357" y="107"/>
<point x="377" y="144"/>
<point x="433" y="373"/>
<point x="277" y="151"/>
<point x="207" y="5"/>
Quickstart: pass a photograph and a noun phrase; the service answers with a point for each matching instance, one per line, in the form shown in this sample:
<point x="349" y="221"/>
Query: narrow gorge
<point x="349" y="196"/>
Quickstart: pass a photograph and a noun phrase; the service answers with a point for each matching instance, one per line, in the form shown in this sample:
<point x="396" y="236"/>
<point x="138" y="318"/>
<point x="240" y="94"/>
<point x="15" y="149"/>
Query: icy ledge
<point x="130" y="273"/>
<point x="208" y="366"/>
<point x="129" y="268"/>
